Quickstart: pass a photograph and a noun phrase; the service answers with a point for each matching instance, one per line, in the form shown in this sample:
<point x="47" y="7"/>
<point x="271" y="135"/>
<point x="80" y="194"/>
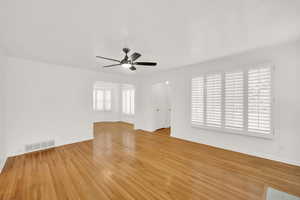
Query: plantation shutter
<point x="132" y="102"/>
<point x="259" y="100"/>
<point x="198" y="101"/>
<point x="213" y="100"/>
<point x="238" y="101"/>
<point x="99" y="100"/>
<point x="107" y="99"/>
<point x="128" y="101"/>
<point x="234" y="100"/>
<point x="124" y="101"/>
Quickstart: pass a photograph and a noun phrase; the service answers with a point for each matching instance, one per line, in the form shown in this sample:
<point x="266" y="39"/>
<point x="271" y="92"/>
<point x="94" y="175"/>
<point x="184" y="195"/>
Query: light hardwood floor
<point x="121" y="163"/>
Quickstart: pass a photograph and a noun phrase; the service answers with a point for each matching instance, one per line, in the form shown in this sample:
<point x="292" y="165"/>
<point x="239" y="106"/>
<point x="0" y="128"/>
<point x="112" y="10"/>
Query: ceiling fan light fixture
<point x="126" y="65"/>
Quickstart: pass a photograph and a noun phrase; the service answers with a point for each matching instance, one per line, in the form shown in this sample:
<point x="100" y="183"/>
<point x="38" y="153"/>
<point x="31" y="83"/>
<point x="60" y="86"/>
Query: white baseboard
<point x="144" y="129"/>
<point x="256" y="154"/>
<point x="2" y="163"/>
<point x="115" y="120"/>
<point x="75" y="140"/>
<point x="58" y="144"/>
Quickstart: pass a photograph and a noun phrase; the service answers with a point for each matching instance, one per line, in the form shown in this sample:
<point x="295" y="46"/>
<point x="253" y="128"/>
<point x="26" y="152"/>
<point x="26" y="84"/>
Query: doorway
<point x="161" y="102"/>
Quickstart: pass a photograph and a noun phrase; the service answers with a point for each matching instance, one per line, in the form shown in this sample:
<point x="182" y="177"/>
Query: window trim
<point x="244" y="132"/>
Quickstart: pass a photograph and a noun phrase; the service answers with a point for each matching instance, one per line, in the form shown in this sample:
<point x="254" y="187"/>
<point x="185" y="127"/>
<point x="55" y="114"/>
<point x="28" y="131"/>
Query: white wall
<point x="46" y="101"/>
<point x="286" y="144"/>
<point x="2" y="109"/>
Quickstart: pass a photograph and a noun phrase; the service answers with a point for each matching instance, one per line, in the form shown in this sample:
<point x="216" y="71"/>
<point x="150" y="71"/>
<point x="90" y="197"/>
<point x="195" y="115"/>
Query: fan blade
<point x="135" y="56"/>
<point x="132" y="68"/>
<point x="145" y="63"/>
<point x="107" y="58"/>
<point x="111" y="65"/>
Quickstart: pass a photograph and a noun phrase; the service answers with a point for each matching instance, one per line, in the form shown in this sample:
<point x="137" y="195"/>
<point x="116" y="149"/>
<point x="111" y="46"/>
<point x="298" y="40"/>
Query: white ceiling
<point x="171" y="32"/>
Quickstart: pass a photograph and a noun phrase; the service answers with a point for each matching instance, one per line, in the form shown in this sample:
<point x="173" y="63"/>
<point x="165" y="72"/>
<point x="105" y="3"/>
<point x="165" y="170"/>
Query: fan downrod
<point x="126" y="50"/>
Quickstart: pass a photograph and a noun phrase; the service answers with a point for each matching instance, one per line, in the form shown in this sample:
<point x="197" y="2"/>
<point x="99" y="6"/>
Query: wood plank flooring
<point x="124" y="164"/>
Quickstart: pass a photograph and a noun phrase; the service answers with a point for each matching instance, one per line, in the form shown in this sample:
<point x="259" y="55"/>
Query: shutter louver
<point x="213" y="100"/>
<point x="198" y="101"/>
<point x="234" y="100"/>
<point x="259" y="100"/>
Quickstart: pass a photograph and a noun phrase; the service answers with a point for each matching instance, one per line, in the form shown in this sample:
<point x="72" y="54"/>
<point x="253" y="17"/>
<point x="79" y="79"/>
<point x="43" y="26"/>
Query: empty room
<point x="150" y="100"/>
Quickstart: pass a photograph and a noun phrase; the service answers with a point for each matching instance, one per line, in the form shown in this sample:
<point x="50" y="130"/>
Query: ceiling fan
<point x="128" y="62"/>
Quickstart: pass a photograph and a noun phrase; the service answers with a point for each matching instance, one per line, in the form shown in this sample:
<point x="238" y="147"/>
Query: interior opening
<point x="113" y="102"/>
<point x="161" y="104"/>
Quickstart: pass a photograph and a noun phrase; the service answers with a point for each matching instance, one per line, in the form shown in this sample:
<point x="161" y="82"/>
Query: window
<point x="239" y="101"/>
<point x="128" y="101"/>
<point x="102" y="99"/>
